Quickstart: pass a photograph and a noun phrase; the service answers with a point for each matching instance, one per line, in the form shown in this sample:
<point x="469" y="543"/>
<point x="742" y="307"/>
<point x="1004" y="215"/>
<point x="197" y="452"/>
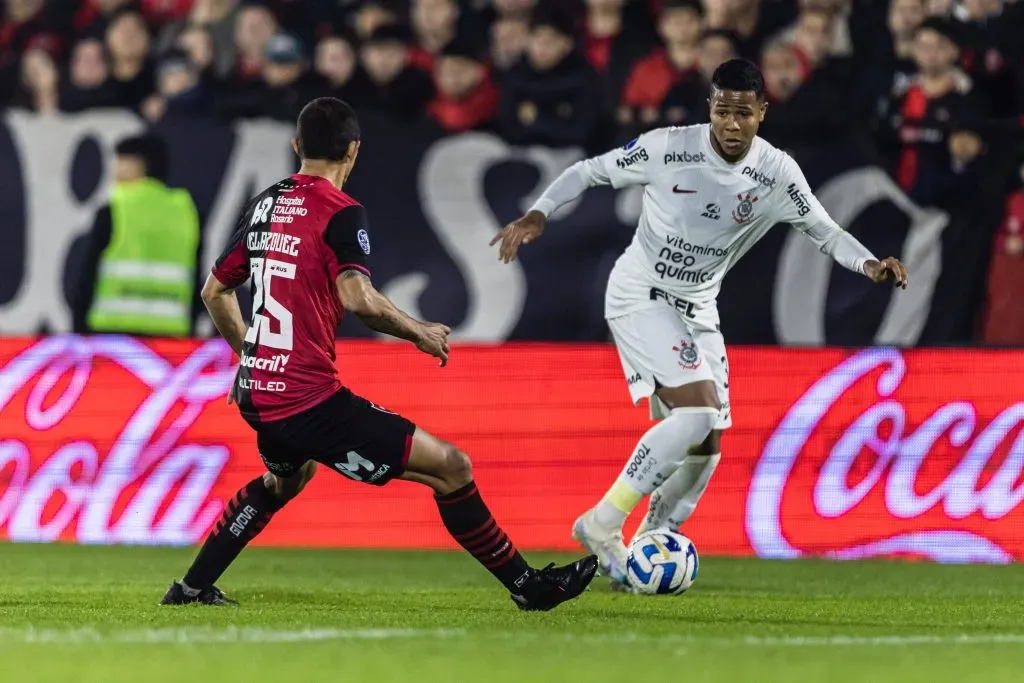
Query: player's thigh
<point x="437" y="464"/>
<point x="283" y="461"/>
<point x="359" y="439"/>
<point x="712" y="347"/>
<point x="658" y="350"/>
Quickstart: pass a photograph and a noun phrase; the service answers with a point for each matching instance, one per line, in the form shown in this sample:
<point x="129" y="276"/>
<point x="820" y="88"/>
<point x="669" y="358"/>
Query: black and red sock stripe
<point x="245" y="516"/>
<point x="469" y="521"/>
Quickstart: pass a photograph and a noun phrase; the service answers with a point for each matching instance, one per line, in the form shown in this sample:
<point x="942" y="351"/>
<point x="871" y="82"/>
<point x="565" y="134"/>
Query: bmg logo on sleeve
<point x="640" y="154"/>
<point x="803" y="207"/>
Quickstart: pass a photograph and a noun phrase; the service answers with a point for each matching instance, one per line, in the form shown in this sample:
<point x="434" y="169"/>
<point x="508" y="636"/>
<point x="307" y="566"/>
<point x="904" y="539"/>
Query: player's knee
<point x="286" y="488"/>
<point x="458" y="470"/>
<point x="695" y="395"/>
<point x="711" y="445"/>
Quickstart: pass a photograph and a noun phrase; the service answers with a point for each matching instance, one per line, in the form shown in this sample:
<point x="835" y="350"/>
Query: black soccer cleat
<point x="549" y="587"/>
<point x="211" y="595"/>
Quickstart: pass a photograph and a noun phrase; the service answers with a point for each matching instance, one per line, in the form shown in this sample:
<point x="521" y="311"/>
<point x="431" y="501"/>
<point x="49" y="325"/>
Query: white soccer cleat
<point x="605" y="543"/>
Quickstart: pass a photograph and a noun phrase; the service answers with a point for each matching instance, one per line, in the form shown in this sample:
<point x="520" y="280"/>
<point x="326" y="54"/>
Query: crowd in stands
<point x="934" y="83"/>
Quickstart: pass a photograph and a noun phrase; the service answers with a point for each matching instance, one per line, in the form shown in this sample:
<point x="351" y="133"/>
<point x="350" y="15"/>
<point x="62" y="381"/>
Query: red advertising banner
<point x="838" y="453"/>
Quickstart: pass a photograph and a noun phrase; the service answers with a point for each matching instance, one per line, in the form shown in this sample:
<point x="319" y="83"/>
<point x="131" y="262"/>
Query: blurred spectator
<point x="982" y="55"/>
<point x="284" y="71"/>
<point x="336" y="69"/>
<point x="805" y="106"/>
<point x="372" y="14"/>
<point x="941" y="9"/>
<point x="887" y="63"/>
<point x="752" y="21"/>
<point x="130" y="69"/>
<point x="495" y="10"/>
<point x="686" y="102"/>
<point x="180" y="92"/>
<point x="434" y="25"/>
<point x="394" y="86"/>
<point x="39" y="79"/>
<point x="254" y="27"/>
<point x="218" y="18"/>
<point x="919" y="120"/>
<point x="509" y="36"/>
<point x="1003" y="322"/>
<point x="196" y="42"/>
<point x="281" y="90"/>
<point x="94" y="16"/>
<point x="612" y="45"/>
<point x="811" y="38"/>
<point x="679" y="27"/>
<point x="138" y="276"/>
<point x="23" y="20"/>
<point x="87" y="84"/>
<point x="466" y="97"/>
<point x="551" y="97"/>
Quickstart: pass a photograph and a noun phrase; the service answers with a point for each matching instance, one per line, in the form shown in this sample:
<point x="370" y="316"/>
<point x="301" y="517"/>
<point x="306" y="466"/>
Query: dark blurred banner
<point x="436" y="201"/>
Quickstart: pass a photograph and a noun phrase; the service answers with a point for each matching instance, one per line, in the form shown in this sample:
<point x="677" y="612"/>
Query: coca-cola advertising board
<point x="836" y="453"/>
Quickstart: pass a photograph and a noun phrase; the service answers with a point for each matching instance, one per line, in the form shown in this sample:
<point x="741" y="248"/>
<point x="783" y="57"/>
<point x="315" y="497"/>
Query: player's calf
<point x="244" y="517"/>
<point x="694" y="410"/>
<point x="448" y="471"/>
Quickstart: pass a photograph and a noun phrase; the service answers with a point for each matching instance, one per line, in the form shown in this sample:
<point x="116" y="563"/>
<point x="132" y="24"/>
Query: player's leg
<point x="674" y="501"/>
<point x="662" y="361"/>
<point x="244" y="517"/>
<point x="449" y="473"/>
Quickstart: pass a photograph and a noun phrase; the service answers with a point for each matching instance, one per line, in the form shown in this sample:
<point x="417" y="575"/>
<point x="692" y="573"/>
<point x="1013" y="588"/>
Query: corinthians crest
<point x="689" y="356"/>
<point x="744" y="211"/>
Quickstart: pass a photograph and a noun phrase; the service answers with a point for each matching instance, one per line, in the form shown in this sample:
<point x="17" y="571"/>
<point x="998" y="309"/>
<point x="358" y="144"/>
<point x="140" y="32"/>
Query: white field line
<point x="231" y="634"/>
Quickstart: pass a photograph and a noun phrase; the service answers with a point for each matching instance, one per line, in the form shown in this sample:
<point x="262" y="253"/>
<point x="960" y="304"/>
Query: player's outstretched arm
<point x="633" y="164"/>
<point x="359" y="297"/>
<point x="222" y="304"/>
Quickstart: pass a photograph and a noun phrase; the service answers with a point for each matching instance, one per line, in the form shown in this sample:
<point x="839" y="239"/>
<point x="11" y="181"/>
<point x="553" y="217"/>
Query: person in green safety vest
<point x="139" y="275"/>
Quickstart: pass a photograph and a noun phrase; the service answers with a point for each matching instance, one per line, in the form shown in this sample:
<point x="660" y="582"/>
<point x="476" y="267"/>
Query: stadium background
<point x="852" y="449"/>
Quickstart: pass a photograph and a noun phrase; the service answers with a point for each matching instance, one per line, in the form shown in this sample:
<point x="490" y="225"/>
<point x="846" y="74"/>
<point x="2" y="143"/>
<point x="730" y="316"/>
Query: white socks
<point x="654" y="460"/>
<point x="674" y="501"/>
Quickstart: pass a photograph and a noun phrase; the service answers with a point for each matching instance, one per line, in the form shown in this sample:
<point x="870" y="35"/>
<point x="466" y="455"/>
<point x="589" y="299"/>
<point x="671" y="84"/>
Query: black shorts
<point x="345" y="432"/>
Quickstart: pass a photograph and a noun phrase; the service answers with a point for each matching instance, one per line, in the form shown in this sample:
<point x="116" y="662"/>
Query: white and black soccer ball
<point x="661" y="562"/>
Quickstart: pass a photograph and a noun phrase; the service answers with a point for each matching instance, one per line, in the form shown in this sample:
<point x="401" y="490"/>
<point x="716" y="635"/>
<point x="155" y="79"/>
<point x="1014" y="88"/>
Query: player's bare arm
<point x="222" y="303"/>
<point x="358" y="296"/>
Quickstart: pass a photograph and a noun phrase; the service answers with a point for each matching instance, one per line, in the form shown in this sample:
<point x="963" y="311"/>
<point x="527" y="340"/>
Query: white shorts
<point x="660" y="347"/>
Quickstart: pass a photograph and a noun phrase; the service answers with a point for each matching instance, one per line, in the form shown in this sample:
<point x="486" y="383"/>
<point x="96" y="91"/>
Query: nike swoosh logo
<point x="675" y="188"/>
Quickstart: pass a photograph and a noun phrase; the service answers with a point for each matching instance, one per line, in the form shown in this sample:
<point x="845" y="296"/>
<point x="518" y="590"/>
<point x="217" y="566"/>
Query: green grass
<point x="77" y="614"/>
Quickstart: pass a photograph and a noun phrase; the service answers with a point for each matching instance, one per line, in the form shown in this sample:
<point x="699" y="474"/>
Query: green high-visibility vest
<point x="146" y="273"/>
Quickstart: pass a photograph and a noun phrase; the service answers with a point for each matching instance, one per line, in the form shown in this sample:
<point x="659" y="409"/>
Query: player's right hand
<point x="520" y="231"/>
<point x="433" y="339"/>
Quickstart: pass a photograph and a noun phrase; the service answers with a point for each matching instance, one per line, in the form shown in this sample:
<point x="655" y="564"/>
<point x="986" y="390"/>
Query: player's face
<point x="735" y="117"/>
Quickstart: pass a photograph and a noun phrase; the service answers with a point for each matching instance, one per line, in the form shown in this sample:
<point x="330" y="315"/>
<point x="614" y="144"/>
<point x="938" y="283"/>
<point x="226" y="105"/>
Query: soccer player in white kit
<point x="711" y="192"/>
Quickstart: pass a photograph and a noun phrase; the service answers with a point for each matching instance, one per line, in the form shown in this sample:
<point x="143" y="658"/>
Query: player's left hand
<point x="887" y="269"/>
<point x="520" y="231"/>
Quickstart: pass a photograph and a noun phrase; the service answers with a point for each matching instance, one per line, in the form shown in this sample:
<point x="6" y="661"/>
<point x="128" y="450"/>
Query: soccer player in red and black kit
<point x="305" y="244"/>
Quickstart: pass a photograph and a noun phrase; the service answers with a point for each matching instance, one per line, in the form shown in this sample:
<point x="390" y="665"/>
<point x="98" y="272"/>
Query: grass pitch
<point x="89" y="615"/>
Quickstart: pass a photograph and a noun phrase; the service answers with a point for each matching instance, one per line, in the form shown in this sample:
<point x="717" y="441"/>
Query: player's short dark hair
<point x="740" y="75"/>
<point x="150" y="148"/>
<point x="325" y="129"/>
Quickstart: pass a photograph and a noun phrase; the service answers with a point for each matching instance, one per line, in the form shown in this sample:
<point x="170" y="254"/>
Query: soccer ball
<point x="661" y="562"/>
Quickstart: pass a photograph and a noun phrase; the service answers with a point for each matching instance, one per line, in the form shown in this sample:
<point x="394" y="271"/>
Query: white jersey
<point x="700" y="213"/>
